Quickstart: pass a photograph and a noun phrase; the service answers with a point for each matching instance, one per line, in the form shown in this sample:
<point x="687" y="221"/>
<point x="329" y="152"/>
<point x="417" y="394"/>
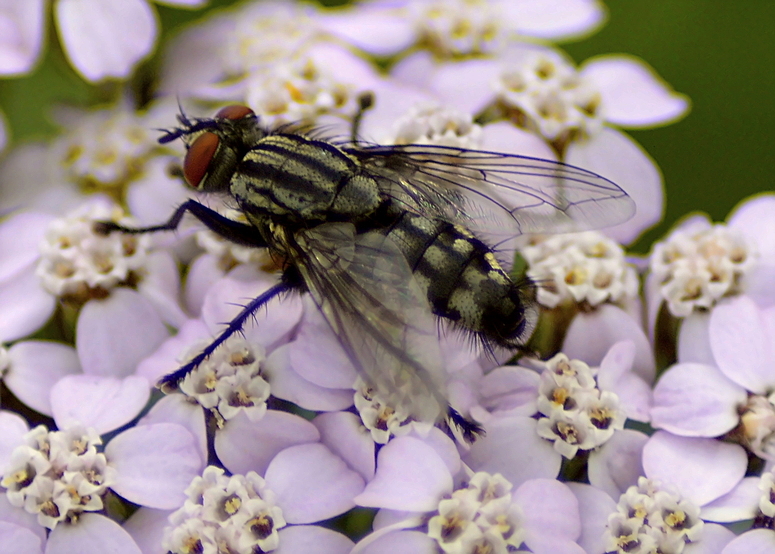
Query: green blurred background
<point x="719" y="53"/>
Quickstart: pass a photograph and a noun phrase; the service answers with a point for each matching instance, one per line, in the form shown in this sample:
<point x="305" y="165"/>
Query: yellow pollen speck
<point x="568" y="432"/>
<point x="576" y="276"/>
<point x="676" y="519"/>
<point x="64" y="270"/>
<point x="602" y="280"/>
<point x="692" y="289"/>
<point x="295" y="93"/>
<point x="232" y="505"/>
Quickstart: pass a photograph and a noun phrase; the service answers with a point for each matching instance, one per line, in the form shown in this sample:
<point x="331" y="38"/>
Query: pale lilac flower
<point x="102" y="39"/>
<point x="758" y="541"/>
<point x="428" y="501"/>
<point x="707" y="472"/>
<point x="647" y="517"/>
<point x="245" y="510"/>
<point x="731" y="388"/>
<point x="459" y="27"/>
<point x="700" y="263"/>
<point x="538" y="89"/>
<point x="59" y="477"/>
<point x="112" y="151"/>
<point x="119" y="283"/>
<point x="534" y="420"/>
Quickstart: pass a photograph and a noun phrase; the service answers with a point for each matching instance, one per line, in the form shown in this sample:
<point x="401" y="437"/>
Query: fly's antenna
<point x="365" y="102"/>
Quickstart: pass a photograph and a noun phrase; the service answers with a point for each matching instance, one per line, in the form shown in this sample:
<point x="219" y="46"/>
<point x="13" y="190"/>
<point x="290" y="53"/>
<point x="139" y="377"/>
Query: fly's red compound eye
<point x="198" y="158"/>
<point x="234" y="112"/>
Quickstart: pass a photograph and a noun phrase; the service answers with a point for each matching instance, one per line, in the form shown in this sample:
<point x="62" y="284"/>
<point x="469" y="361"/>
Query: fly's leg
<point x="169" y="383"/>
<point x="365" y="102"/>
<point x="234" y="231"/>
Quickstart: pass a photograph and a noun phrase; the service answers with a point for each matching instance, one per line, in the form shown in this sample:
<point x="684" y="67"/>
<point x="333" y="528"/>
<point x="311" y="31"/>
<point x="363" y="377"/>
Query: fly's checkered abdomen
<point x="464" y="281"/>
<point x="293" y="177"/>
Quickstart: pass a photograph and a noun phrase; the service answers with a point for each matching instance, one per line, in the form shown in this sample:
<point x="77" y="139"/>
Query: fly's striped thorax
<point x="300" y="180"/>
<point x="464" y="281"/>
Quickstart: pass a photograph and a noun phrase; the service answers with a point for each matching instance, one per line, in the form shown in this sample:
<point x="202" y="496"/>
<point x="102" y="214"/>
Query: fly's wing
<point x="365" y="290"/>
<point x="496" y="194"/>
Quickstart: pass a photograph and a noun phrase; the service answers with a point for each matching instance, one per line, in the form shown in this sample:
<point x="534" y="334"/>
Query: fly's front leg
<point x="233" y="231"/>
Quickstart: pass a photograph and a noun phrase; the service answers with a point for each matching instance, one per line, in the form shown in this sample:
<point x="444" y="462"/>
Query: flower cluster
<point x="650" y="518"/>
<point x="236" y="513"/>
<point x="57" y="475"/>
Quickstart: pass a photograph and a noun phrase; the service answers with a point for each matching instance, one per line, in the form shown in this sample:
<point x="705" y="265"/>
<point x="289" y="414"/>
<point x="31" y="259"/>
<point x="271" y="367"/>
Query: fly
<point x="386" y="239"/>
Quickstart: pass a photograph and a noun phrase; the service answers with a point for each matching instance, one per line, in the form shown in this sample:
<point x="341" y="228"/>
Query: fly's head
<point x="216" y="145"/>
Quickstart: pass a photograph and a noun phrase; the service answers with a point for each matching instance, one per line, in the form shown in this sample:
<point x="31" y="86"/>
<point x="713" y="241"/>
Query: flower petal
<point x="311" y="538"/>
<point x="553" y="19"/>
<point x="346" y="436"/>
<point x="114" y="334"/>
<point x="616" y="156"/>
<point x="105" y="38"/>
<point x="410" y="476"/>
<point x="13" y="428"/>
<point x="512" y="448"/>
<point x="94" y="533"/>
<point x="633" y="94"/>
<point x="696" y="400"/>
<point x="702" y="469"/>
<point x="154" y="464"/>
<point x="312" y="483"/>
<point x="20" y="235"/>
<point x="742" y="346"/>
<point x="617" y="464"/>
<point x="245" y="445"/>
<point x="755" y="541"/>
<point x="16" y="538"/>
<point x="24" y="305"/>
<point x="740" y="504"/>
<point x="105" y="403"/>
<point x="21" y="35"/>
<point x="594" y="508"/>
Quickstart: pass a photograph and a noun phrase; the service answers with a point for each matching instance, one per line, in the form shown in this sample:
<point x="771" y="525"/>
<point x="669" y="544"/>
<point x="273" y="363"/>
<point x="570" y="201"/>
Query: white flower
<point x="101" y="38"/>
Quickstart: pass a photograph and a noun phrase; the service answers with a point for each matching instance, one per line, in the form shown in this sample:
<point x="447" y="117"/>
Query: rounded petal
<point x="504" y="137"/>
<point x="553" y="19"/>
<point x="311" y="538"/>
<point x="755" y="217"/>
<point x="373" y="29"/>
<point x="114" y="334"/>
<point x="512" y="448"/>
<point x="36" y="366"/>
<point x="166" y="358"/>
<point x="617" y="157"/>
<point x="312" y="483"/>
<point x="740" y="504"/>
<point x="161" y="285"/>
<point x="616" y="375"/>
<point x="13" y="429"/>
<point x="345" y="435"/>
<point x="289" y="385"/>
<point x="696" y="400"/>
<point x="146" y="526"/>
<point x="24" y="305"/>
<point x="633" y="94"/>
<point x="202" y="273"/>
<point x="617" y="465"/>
<point x="743" y="344"/>
<point x="93" y="533"/>
<point x="594" y="508"/>
<point x="174" y="408"/>
<point x="756" y="541"/>
<point x="154" y="464"/>
<point x="105" y="38"/>
<point x="411" y="476"/>
<point x="702" y="469"/>
<point x="465" y="85"/>
<point x="16" y="538"/>
<point x="694" y="339"/>
<point x="105" y="403"/>
<point x="21" y="35"/>
<point x="245" y="445"/>
<point x="20" y="235"/>
<point x="415" y="542"/>
<point x="591" y="335"/>
<point x="551" y="512"/>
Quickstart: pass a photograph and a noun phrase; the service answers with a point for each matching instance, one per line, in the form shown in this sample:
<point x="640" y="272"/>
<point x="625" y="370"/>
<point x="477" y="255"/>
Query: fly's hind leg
<point x="233" y="231"/>
<point x="170" y="382"/>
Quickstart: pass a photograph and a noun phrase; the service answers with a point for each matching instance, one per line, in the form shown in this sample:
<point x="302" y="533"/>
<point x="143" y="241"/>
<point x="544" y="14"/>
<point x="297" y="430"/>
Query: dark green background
<point x="719" y="53"/>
